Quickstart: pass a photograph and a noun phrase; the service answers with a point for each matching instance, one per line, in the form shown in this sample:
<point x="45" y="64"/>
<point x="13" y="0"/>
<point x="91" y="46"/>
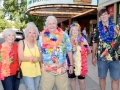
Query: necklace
<point x="35" y="58"/>
<point x="106" y="37"/>
<point x="51" y="41"/>
<point x="76" y="41"/>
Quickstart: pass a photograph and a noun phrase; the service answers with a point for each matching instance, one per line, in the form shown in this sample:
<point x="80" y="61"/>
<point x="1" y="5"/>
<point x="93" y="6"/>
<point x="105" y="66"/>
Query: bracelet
<point x="70" y="65"/>
<point x="31" y="59"/>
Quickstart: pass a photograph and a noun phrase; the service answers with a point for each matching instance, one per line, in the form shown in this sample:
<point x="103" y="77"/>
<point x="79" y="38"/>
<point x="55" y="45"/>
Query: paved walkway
<point x="91" y="79"/>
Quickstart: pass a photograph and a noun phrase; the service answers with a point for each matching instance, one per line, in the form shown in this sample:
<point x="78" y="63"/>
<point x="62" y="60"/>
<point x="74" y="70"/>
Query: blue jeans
<point x="31" y="83"/>
<point x="113" y="66"/>
<point x="11" y="83"/>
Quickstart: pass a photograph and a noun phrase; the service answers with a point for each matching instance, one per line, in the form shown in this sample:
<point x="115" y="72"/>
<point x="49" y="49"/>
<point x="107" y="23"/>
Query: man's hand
<point x="74" y="48"/>
<point x="71" y="69"/>
<point x="94" y="61"/>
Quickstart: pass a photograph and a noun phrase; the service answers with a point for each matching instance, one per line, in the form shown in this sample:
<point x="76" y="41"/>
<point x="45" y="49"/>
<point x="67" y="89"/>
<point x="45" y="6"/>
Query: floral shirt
<point x="106" y="51"/>
<point x="54" y="59"/>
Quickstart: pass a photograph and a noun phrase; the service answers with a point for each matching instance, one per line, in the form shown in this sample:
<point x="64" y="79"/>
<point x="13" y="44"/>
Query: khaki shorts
<point x="48" y="81"/>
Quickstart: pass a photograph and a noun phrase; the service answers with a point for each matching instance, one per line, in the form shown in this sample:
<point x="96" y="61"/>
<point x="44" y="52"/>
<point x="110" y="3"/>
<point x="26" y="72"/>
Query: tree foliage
<point x="1" y="14"/>
<point x="16" y="12"/>
<point x="4" y="24"/>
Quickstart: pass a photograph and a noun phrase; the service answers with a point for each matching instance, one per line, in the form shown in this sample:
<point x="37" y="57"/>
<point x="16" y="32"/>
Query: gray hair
<point x="33" y="26"/>
<point x="50" y="18"/>
<point x="74" y="27"/>
<point x="8" y="31"/>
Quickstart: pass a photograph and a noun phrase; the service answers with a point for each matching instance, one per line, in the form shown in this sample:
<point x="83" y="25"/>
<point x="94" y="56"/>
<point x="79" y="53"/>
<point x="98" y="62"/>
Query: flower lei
<point x="80" y="56"/>
<point x="106" y="38"/>
<point x="6" y="58"/>
<point x="75" y="41"/>
<point x="50" y="44"/>
<point x="52" y="41"/>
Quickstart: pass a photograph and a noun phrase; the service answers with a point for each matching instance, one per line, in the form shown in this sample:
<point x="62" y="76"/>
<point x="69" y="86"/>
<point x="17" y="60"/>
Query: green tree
<point x="1" y="14"/>
<point x="4" y="24"/>
<point x="16" y="11"/>
<point x="37" y="20"/>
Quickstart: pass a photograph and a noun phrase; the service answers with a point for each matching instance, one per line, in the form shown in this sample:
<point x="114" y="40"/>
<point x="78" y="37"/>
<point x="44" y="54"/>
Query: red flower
<point x="105" y="28"/>
<point x="84" y="61"/>
<point x="54" y="60"/>
<point x="12" y="53"/>
<point x="44" y="45"/>
<point x="112" y="44"/>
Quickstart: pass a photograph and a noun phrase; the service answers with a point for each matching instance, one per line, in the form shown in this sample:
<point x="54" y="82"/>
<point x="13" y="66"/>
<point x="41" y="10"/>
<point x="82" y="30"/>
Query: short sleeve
<point x="85" y="41"/>
<point x="117" y="29"/>
<point x="95" y="35"/>
<point x="68" y="43"/>
<point x="40" y="42"/>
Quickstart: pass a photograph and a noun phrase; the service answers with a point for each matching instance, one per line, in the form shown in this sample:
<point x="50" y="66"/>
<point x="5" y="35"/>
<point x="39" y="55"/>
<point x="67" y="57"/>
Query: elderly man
<point x="54" y="44"/>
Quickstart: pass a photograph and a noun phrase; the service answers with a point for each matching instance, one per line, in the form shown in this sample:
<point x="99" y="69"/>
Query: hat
<point x="75" y="24"/>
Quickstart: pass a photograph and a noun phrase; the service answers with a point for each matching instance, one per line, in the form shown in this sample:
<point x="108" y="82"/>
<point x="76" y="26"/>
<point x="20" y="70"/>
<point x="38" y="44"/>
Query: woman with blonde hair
<point x="80" y="49"/>
<point x="29" y="56"/>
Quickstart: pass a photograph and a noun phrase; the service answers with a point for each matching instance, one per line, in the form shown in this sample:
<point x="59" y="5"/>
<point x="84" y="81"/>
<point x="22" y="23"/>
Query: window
<point x="118" y="13"/>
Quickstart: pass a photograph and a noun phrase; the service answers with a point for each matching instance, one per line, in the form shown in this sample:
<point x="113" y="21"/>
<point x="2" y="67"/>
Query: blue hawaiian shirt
<point x="58" y="53"/>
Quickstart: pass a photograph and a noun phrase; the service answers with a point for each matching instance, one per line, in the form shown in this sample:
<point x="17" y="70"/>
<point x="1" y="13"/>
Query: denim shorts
<point x="112" y="66"/>
<point x="31" y="83"/>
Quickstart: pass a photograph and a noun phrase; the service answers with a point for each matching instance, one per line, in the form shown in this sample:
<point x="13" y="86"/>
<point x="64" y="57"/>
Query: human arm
<point x="39" y="47"/>
<point x="71" y="62"/>
<point x="94" y="48"/>
<point x="69" y="52"/>
<point x="86" y="45"/>
<point x="93" y="53"/>
<point x="21" y="52"/>
<point x="40" y="59"/>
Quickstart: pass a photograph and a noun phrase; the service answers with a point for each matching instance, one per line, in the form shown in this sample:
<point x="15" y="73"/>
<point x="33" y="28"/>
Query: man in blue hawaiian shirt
<point x="54" y="44"/>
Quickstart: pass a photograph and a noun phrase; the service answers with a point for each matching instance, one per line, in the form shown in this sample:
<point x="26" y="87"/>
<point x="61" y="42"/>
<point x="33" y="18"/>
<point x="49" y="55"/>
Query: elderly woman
<point x="80" y="49"/>
<point x="9" y="63"/>
<point x="28" y="53"/>
<point x="54" y="44"/>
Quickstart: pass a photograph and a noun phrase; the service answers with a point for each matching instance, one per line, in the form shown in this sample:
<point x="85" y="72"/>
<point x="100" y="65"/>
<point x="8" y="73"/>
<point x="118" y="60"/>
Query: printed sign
<point x="82" y="1"/>
<point x="32" y="3"/>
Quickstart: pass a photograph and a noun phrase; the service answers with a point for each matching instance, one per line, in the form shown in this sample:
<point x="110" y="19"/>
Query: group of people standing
<point x="44" y="60"/>
<point x="55" y="56"/>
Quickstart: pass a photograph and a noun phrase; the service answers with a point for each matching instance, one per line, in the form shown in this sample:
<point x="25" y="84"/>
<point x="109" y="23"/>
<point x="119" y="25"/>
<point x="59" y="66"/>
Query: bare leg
<point x="115" y="84"/>
<point x="73" y="83"/>
<point x="102" y="82"/>
<point x="82" y="84"/>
